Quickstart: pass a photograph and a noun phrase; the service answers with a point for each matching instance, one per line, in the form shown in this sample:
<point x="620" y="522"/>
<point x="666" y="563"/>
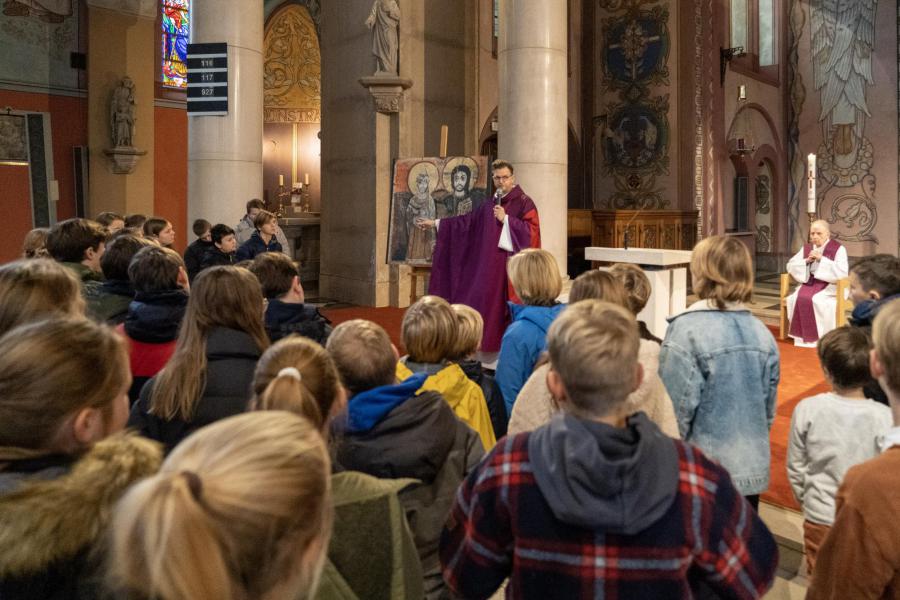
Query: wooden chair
<point x="843" y="303"/>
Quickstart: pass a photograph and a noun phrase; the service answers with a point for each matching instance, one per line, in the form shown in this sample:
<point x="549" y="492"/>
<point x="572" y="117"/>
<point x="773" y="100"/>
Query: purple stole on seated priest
<point x="803" y="323"/>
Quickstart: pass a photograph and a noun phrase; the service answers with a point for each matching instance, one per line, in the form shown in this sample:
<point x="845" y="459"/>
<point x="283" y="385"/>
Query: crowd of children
<point x="177" y="428"/>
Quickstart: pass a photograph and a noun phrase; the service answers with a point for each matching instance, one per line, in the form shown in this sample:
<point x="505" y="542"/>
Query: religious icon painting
<point x="13" y="145"/>
<point x="425" y="189"/>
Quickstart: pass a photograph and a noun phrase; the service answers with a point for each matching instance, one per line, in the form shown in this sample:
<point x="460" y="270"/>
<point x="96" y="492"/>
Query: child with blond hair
<point x="535" y="406"/>
<point x="36" y="289"/>
<point x="396" y="430"/>
<point x="240" y="509"/>
<point x="469" y="333"/>
<point x="721" y="367"/>
<point x="535" y="277"/>
<point x="545" y="507"/>
<point x="430" y="330"/>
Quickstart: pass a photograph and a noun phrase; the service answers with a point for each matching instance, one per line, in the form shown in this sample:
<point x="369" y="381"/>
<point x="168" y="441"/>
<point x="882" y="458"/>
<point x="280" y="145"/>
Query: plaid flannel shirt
<point x="501" y="526"/>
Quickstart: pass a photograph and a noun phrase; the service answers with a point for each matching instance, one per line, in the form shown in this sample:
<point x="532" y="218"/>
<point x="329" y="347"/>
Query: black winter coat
<point x="421" y="438"/>
<point x="231" y="358"/>
<point x="284" y="319"/>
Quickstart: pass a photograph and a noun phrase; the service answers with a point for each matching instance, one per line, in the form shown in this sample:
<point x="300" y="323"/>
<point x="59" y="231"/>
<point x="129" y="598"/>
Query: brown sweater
<point x="860" y="558"/>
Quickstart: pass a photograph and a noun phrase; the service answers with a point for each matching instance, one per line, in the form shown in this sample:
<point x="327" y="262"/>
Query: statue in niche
<point x="121" y="114"/>
<point x="384" y="19"/>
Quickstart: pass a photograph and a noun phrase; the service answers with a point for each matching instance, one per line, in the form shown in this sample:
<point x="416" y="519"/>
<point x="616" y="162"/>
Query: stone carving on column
<point x="387" y="91"/>
<point x="123" y="156"/>
<point x="384" y="20"/>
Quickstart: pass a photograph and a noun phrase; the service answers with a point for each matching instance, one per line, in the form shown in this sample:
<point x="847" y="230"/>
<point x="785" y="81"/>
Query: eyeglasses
<point x="502" y="177"/>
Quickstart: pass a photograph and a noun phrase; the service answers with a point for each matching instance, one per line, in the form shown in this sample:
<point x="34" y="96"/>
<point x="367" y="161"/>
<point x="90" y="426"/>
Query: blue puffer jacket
<point x="721" y="368"/>
<point x="522" y="344"/>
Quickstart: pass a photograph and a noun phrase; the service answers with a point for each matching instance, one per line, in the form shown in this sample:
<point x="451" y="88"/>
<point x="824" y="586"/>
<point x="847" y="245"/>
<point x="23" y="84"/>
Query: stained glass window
<point x="176" y="30"/>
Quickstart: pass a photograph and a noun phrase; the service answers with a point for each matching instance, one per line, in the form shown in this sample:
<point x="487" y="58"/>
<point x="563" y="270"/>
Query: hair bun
<point x="290" y="372"/>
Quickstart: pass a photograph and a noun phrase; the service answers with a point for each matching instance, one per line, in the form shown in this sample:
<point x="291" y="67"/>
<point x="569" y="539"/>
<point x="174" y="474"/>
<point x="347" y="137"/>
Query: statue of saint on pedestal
<point x="121" y="114"/>
<point x="385" y="20"/>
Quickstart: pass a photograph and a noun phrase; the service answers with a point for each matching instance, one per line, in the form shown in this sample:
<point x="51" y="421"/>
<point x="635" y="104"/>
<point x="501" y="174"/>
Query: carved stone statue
<point x="385" y="20"/>
<point x="121" y="114"/>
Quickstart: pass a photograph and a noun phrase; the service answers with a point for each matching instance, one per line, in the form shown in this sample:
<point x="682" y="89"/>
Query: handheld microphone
<point x="497" y="198"/>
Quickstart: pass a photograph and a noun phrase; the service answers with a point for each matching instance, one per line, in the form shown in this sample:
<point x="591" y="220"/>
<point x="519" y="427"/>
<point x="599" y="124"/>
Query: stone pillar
<point x="533" y="124"/>
<point x="225" y="153"/>
<point x="122" y="40"/>
<point x="367" y="122"/>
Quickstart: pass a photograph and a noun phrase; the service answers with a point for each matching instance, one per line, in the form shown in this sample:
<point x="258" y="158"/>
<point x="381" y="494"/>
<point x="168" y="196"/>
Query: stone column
<point x="122" y="40"/>
<point x="225" y="153"/>
<point x="532" y="115"/>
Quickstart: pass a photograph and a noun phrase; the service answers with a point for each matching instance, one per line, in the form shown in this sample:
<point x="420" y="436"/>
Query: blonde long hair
<point x="241" y="509"/>
<point x="220" y="297"/>
<point x="37" y="288"/>
<point x="51" y="369"/>
<point x="722" y="271"/>
<point x="311" y="391"/>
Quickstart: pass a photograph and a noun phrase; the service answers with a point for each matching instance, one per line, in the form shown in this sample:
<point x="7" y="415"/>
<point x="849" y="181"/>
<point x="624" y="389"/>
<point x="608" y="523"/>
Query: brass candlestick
<point x="283" y="193"/>
<point x="304" y="199"/>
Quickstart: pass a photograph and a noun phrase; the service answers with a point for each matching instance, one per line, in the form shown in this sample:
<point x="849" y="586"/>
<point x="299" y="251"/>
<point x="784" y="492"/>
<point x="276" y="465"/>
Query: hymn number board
<point x="207" y="79"/>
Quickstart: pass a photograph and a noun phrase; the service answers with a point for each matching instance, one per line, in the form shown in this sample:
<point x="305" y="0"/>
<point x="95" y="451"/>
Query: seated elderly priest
<point x="817" y="267"/>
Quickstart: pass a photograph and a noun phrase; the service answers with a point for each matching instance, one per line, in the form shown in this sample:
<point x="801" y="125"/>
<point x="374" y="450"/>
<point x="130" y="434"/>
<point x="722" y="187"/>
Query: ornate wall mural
<point x="634" y="129"/>
<point x="842" y="48"/>
<point x="834" y="95"/>
<point x="292" y="71"/>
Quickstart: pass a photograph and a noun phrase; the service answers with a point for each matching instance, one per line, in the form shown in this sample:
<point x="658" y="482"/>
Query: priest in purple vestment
<point x="469" y="263"/>
<point x="812" y="308"/>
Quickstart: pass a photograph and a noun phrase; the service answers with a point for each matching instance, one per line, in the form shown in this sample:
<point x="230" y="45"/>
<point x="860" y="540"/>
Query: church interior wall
<point x="349" y="266"/>
<point x="635" y="162"/>
<point x="68" y="120"/>
<point x="448" y="48"/>
<point x="170" y="177"/>
<point x="120" y="45"/>
<point x="488" y="74"/>
<point x="856" y="152"/>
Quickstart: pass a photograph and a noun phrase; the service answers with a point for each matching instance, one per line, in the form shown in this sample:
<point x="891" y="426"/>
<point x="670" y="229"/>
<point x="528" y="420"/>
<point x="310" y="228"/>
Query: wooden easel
<point x="424" y="271"/>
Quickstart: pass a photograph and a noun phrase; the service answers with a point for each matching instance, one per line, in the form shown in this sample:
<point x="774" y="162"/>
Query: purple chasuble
<point x="469" y="268"/>
<point x="803" y="324"/>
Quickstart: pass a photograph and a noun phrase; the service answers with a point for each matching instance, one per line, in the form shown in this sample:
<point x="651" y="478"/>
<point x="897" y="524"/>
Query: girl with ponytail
<point x="298" y="375"/>
<point x="208" y="377"/>
<point x="240" y="510"/>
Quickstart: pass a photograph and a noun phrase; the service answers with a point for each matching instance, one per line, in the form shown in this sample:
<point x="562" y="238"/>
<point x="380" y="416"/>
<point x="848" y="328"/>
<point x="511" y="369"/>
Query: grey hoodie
<point x="598" y="476"/>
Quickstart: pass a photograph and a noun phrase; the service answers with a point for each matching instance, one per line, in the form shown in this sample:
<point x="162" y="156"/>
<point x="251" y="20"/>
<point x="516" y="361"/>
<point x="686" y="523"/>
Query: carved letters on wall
<point x="292" y="71"/>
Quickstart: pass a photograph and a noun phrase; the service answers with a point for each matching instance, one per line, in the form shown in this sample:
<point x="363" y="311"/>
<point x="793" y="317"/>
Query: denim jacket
<point x="721" y="369"/>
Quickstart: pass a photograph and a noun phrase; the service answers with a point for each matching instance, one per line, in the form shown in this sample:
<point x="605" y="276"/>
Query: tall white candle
<point x="281" y="180"/>
<point x="306" y="179"/>
<point x="811" y="179"/>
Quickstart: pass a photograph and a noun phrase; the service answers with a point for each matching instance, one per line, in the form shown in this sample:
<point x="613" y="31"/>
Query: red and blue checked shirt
<point x="501" y="526"/>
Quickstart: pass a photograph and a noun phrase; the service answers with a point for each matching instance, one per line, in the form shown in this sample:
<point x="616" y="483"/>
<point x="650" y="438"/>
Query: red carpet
<point x="389" y="318"/>
<point x="801" y="377"/>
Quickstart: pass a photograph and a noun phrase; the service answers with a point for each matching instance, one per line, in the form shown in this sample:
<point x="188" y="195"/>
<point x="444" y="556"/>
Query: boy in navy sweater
<point x="286" y="312"/>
